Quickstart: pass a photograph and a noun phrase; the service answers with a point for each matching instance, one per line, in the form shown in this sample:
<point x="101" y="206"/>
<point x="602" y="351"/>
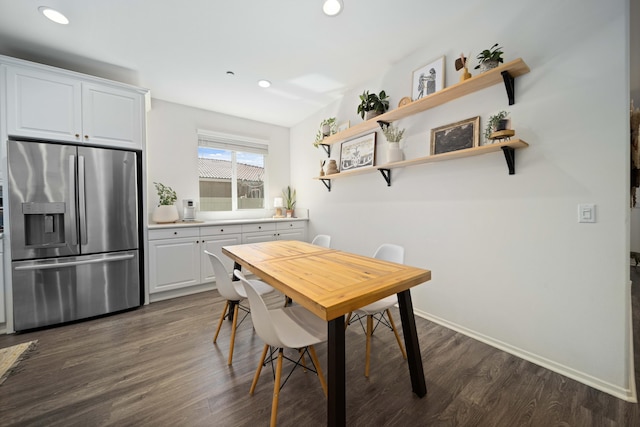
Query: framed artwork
<point x="358" y="153"/>
<point x="344" y="126"/>
<point x="456" y="136"/>
<point x="428" y="79"/>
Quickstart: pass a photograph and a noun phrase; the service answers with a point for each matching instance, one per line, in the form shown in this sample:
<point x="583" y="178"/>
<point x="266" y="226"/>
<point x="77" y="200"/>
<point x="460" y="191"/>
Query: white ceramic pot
<point x="488" y="65"/>
<point x="394" y="153"/>
<point x="165" y="213"/>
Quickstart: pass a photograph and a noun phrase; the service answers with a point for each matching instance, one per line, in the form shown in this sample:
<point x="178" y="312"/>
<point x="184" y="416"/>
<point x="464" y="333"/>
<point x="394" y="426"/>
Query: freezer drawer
<point x="48" y="292"/>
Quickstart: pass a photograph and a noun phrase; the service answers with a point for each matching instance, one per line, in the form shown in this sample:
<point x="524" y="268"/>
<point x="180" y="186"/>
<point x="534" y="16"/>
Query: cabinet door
<point x="173" y="263"/>
<point x="214" y="245"/>
<point x="292" y="234"/>
<point x="43" y="105"/>
<point x="112" y="116"/>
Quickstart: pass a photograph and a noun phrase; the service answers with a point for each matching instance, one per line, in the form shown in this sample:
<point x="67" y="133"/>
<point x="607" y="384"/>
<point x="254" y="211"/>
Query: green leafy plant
<point x="494" y="53"/>
<point x="289" y="196"/>
<point x="166" y="194"/>
<point x="333" y="128"/>
<point x="373" y="102"/>
<point x="492" y="123"/>
<point x="392" y="133"/>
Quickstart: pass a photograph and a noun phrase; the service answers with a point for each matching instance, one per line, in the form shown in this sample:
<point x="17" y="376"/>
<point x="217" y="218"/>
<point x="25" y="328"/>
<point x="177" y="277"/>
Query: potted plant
<point x="490" y="58"/>
<point x="496" y="123"/>
<point x="166" y="211"/>
<point x="394" y="136"/>
<point x="289" y="196"/>
<point x="373" y="105"/>
<point x="327" y="127"/>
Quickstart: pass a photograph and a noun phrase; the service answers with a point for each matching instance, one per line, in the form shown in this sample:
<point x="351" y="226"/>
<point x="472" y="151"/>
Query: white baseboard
<point x="628" y="394"/>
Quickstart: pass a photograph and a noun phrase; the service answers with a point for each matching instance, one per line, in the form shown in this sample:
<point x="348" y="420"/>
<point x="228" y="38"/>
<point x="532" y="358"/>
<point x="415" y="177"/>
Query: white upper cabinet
<point x="54" y="106"/>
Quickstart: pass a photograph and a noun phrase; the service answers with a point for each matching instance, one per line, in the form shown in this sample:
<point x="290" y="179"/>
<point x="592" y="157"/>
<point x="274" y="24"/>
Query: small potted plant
<point x="328" y="127"/>
<point x="166" y="211"/>
<point x="394" y="136"/>
<point x="372" y="105"/>
<point x="490" y="58"/>
<point x="497" y="122"/>
<point x="289" y="196"/>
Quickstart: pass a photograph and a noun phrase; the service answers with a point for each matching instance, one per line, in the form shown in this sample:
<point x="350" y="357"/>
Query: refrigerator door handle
<point x="82" y="201"/>
<point x="73" y="214"/>
<point x="53" y="264"/>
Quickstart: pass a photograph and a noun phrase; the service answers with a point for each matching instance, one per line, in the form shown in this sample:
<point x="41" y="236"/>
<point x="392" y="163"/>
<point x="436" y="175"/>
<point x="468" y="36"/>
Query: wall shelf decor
<point x="504" y="73"/>
<point x="507" y="147"/>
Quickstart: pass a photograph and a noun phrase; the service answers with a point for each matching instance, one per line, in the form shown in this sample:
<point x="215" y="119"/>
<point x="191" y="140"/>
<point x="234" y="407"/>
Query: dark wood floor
<point x="156" y="366"/>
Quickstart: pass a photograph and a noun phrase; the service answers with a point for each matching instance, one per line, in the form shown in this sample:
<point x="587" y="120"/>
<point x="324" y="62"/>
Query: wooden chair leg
<point x="314" y="359"/>
<point x="233" y="333"/>
<point x="395" y="331"/>
<point x="257" y="374"/>
<point x="347" y="319"/>
<point x="224" y="311"/>
<point x="368" y="352"/>
<point x="276" y="390"/>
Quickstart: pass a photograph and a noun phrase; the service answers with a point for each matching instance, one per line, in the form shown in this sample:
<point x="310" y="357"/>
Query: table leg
<point x="232" y="304"/>
<point x="411" y="343"/>
<point x="336" y="404"/>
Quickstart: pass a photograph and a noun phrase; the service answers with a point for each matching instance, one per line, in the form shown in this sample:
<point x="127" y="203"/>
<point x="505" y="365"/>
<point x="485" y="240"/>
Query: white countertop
<point x="198" y="223"/>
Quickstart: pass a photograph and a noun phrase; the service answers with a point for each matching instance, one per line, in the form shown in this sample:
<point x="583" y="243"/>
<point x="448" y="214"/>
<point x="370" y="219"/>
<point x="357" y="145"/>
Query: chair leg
<point x="314" y="359"/>
<point x="395" y="331"/>
<point x="257" y="374"/>
<point x="233" y="334"/>
<point x="368" y="352"/>
<point x="224" y="311"/>
<point x="347" y="320"/>
<point x="302" y="360"/>
<point x="276" y="390"/>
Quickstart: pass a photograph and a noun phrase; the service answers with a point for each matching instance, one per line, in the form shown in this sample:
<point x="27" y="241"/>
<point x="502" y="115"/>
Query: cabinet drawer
<point x="288" y="225"/>
<point x="170" y="233"/>
<point x="265" y="226"/>
<point x="216" y="230"/>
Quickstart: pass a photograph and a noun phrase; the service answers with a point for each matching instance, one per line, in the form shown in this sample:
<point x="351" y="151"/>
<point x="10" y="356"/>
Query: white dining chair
<point x="280" y="328"/>
<point x="323" y="240"/>
<point x="233" y="293"/>
<point x="378" y="309"/>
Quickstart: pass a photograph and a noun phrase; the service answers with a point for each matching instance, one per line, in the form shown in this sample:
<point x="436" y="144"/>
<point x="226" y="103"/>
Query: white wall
<point x="172" y="152"/>
<point x="511" y="265"/>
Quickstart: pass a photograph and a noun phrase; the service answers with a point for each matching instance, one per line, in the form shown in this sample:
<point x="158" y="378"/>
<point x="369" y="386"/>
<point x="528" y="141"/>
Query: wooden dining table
<point x="331" y="283"/>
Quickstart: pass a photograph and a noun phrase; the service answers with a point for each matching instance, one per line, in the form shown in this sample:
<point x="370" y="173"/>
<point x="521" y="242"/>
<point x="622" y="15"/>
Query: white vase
<point x="394" y="153"/>
<point x="165" y="214"/>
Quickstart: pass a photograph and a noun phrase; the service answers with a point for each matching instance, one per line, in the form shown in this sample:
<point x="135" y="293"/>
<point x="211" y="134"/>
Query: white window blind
<point x="232" y="142"/>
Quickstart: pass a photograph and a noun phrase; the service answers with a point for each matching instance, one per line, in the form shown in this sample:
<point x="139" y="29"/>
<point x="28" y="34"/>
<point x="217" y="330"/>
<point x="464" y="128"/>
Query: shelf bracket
<point x="386" y="174"/>
<point x="327" y="149"/>
<point x="382" y="124"/>
<point x="510" y="157"/>
<point x="509" y="84"/>
<point x="327" y="183"/>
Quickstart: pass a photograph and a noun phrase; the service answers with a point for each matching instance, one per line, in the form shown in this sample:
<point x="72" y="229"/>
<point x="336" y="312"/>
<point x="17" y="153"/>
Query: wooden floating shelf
<point x="513" y="69"/>
<point x="507" y="147"/>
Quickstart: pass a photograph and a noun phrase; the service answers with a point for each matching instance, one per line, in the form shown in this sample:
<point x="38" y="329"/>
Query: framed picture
<point x="358" y="153"/>
<point x="428" y="79"/>
<point x="456" y="136"/>
<point x="344" y="126"/>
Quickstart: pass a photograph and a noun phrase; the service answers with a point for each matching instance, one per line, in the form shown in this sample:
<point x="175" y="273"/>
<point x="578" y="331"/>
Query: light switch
<point x="587" y="213"/>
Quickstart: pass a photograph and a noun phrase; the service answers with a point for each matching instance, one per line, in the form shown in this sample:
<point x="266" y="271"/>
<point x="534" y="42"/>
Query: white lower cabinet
<point x="174" y="258"/>
<point x="176" y="254"/>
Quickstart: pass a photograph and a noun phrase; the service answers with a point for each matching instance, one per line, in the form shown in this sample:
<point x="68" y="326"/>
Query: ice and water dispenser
<point x="44" y="224"/>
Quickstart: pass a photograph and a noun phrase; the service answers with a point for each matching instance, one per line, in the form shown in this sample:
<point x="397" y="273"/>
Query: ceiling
<point x="181" y="50"/>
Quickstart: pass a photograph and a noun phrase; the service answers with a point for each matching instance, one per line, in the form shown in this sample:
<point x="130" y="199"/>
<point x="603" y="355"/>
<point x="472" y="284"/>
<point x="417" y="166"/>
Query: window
<point x="232" y="172"/>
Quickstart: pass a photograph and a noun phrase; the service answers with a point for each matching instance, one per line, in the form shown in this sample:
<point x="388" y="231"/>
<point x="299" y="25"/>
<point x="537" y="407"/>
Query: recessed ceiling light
<point x="230" y="73"/>
<point x="332" y="7"/>
<point x="53" y="15"/>
<point x="264" y="83"/>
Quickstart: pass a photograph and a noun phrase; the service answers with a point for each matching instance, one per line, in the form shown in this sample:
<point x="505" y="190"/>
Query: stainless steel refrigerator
<point x="74" y="232"/>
